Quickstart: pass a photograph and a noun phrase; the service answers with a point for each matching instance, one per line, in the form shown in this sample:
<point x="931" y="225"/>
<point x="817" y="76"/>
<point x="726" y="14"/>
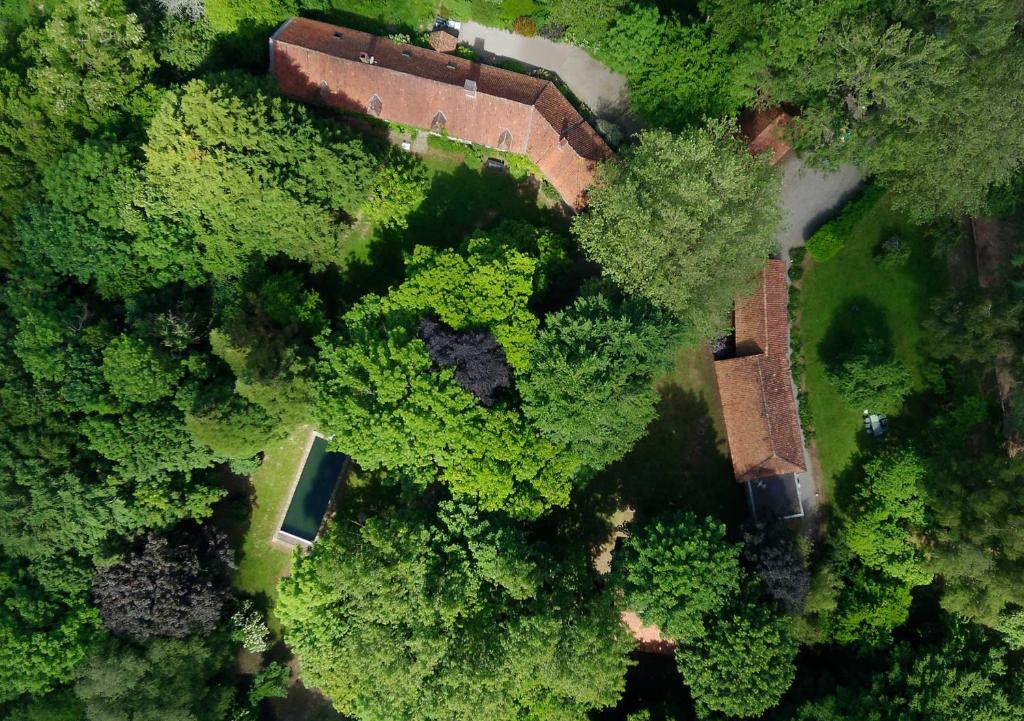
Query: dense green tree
<point x="676" y="571"/>
<point x="388" y="406"/>
<point x="77" y="70"/>
<point x="886" y="511"/>
<point x="43" y="636"/>
<point x="677" y="74"/>
<point x="137" y="372"/>
<point x="743" y="665"/>
<point x="166" y="679"/>
<point x="867" y="376"/>
<point x="60" y="705"/>
<point x="962" y="674"/>
<point x="922" y="95"/>
<point x="407" y="617"/>
<point x="242" y="171"/>
<point x="590" y="386"/>
<point x="685" y="221"/>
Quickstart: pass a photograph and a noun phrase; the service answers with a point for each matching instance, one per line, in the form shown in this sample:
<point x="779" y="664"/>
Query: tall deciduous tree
<point x="590" y="386"/>
<point x="685" y="221"/>
<point x="922" y="95"/>
<point x="407" y="617"/>
<point x="676" y="571"/>
<point x="743" y="665"/>
<point x="169" y="589"/>
<point x="389" y="407"/>
<point x="181" y="679"/>
<point x="43" y="636"/>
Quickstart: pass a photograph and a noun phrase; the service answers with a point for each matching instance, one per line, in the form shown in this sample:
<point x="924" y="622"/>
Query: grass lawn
<point x="849" y="292"/>
<point x="683" y="461"/>
<point x="260" y="565"/>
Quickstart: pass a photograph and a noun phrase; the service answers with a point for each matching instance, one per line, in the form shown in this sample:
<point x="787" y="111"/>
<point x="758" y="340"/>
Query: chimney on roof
<point x="366" y="58"/>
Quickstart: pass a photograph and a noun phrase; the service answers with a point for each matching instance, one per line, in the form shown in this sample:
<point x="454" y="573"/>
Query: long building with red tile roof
<point x="355" y="71"/>
<point x="756" y="388"/>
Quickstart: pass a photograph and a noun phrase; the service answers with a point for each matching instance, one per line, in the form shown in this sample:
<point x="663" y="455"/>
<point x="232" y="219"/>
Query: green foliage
<point x="239" y="171"/>
<point x="589" y="388"/>
<point x="270" y="682"/>
<point x="676" y="571"/>
<point x="961" y="674"/>
<point x="922" y="96"/>
<point x="871" y="382"/>
<point x="886" y="510"/>
<point x="743" y="665"/>
<point x="677" y="75"/>
<point x="685" y="221"/>
<point x="43" y="637"/>
<point x="60" y="705"/>
<point x="137" y="373"/>
<point x="868" y="608"/>
<point x="586" y="21"/>
<point x="168" y="678"/>
<point x="830" y="238"/>
<point x="387" y="407"/>
<point x="397" y="618"/>
<point x="184" y="43"/>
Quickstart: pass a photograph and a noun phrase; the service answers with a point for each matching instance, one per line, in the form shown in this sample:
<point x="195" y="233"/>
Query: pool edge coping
<point x="275" y="539"/>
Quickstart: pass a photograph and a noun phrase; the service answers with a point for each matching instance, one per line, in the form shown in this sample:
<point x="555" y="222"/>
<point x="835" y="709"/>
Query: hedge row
<point x="830" y="238"/>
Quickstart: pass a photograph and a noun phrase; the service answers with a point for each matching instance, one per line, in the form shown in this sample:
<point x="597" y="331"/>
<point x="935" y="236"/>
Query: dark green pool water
<point x="319" y="478"/>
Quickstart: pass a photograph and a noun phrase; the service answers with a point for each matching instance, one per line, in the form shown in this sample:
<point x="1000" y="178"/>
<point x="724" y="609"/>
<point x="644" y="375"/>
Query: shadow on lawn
<point x="678" y="465"/>
<point x="858" y="325"/>
<point x="458" y="203"/>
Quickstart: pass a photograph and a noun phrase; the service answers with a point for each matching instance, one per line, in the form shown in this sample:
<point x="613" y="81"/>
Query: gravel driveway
<point x="810" y="197"/>
<point x="606" y="93"/>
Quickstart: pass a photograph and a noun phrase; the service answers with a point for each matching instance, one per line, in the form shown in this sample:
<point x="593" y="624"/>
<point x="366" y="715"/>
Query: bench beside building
<point x="358" y="72"/>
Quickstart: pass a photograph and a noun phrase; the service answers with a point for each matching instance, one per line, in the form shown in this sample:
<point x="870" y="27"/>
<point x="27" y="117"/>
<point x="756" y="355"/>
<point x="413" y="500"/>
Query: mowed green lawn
<point x="260" y="564"/>
<point x="850" y="290"/>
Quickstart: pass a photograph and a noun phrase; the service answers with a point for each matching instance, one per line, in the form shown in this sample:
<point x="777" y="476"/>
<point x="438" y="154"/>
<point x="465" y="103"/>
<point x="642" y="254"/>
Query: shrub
<point x="797" y="255"/>
<point x="830" y="238"/>
<point x="826" y="241"/>
<point x="524" y="25"/>
<point x="892" y="253"/>
<point x="249" y="628"/>
<point x="271" y="682"/>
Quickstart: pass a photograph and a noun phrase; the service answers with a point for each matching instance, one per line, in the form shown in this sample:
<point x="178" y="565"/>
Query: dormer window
<point x="470" y="88"/>
<point x="437" y="125"/>
<point x="505" y="140"/>
<point x="375" y="106"/>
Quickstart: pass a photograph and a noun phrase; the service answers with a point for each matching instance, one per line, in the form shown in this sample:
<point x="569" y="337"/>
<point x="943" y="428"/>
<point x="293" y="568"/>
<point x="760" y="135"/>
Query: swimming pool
<point x="313" y="492"/>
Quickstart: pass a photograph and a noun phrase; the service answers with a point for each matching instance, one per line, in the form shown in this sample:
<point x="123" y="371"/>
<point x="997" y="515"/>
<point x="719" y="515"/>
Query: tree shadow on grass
<point x="458" y="203"/>
<point x="677" y="466"/>
<point x="856" y="325"/>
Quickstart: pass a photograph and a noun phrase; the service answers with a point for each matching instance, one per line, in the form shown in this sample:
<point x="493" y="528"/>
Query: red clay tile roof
<point x="756" y="388"/>
<point x="317" y="62"/>
<point x="763" y="131"/>
<point x="762" y="320"/>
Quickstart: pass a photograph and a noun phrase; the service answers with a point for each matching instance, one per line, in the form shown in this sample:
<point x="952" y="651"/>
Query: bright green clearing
<point x="260" y="564"/>
<point x="850" y="288"/>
